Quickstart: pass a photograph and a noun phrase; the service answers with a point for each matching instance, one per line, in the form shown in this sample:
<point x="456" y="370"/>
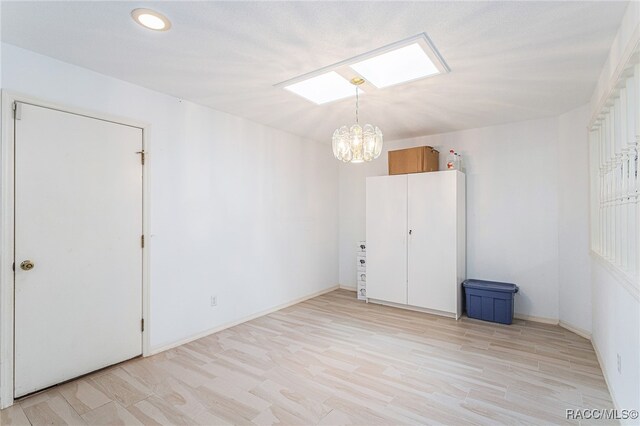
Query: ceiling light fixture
<point x="356" y="144"/>
<point x="151" y="19"/>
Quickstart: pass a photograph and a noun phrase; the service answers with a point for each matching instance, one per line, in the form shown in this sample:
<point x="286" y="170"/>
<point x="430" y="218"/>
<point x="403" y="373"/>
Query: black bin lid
<point x="491" y="286"/>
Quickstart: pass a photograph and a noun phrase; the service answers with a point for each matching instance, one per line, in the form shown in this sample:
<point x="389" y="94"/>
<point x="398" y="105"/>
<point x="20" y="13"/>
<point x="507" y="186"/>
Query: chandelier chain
<point x="357" y="105"/>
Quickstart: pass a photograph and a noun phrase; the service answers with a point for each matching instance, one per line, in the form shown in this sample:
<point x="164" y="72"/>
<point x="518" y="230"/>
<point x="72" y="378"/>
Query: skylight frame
<point x="344" y="67"/>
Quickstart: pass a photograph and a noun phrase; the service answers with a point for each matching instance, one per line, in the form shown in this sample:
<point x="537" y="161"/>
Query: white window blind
<point x="614" y="146"/>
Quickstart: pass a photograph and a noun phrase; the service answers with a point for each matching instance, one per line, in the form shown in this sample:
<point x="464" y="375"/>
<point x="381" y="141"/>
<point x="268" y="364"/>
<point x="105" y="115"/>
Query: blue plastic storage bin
<point x="490" y="300"/>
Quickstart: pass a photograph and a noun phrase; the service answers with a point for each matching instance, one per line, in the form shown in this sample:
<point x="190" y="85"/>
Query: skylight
<point x="397" y="63"/>
<point x="397" y="66"/>
<point x="323" y="88"/>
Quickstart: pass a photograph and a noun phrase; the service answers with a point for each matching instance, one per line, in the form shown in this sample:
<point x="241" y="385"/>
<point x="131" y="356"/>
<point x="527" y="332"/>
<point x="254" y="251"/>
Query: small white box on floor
<point x="362" y="291"/>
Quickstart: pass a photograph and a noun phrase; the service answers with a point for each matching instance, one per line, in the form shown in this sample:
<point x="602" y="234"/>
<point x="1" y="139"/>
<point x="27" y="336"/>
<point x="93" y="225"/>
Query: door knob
<point x="27" y="265"/>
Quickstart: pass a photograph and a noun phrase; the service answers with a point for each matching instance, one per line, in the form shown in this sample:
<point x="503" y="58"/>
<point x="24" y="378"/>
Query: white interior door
<point x="432" y="265"/>
<point x="78" y="218"/>
<point x="386" y="217"/>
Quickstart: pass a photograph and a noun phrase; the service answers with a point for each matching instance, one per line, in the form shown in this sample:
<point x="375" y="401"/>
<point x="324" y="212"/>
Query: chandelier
<point x="356" y="144"/>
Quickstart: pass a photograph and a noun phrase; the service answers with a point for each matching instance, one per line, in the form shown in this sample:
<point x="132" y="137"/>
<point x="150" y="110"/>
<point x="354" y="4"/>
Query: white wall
<point x="512" y="207"/>
<point x="616" y="330"/>
<point x="238" y="210"/>
<point x="574" y="278"/>
<point x="616" y="309"/>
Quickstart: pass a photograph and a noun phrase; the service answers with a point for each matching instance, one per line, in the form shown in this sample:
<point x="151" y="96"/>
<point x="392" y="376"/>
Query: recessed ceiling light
<point x="323" y="88"/>
<point x="151" y="19"/>
<point x="397" y="66"/>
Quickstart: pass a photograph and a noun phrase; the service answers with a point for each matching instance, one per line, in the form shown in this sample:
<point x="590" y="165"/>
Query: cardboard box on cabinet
<point x="413" y="160"/>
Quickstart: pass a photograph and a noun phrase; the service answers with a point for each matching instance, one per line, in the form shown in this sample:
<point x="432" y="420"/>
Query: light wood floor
<point x="334" y="360"/>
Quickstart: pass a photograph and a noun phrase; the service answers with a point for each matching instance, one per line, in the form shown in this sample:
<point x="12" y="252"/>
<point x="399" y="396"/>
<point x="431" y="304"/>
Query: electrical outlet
<point x="214" y="301"/>
<point x="619" y="364"/>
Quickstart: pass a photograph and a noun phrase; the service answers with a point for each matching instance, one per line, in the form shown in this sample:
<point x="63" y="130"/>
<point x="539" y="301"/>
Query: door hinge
<point x="17" y="111"/>
<point x="13" y="266"/>
<point x="142" y="241"/>
<point x="142" y="324"/>
<point x="141" y="156"/>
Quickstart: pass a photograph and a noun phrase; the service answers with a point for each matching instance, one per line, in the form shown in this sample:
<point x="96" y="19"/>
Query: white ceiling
<point x="509" y="61"/>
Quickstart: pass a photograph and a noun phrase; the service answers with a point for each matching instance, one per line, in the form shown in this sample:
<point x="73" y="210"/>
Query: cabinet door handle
<point x="410" y="231"/>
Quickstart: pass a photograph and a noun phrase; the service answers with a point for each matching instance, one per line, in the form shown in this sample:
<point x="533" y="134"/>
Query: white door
<point x="78" y="219"/>
<point x="432" y="265"/>
<point x="386" y="217"/>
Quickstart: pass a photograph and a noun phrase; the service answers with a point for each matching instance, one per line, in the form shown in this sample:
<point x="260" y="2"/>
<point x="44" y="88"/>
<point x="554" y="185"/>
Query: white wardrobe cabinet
<point x="416" y="241"/>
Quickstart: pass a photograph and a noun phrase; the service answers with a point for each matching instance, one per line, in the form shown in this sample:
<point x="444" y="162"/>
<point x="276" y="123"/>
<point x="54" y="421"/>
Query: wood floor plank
<point x="83" y="395"/>
<point x="120" y="386"/>
<point x="53" y="411"/>
<point x="111" y="413"/>
<point x="156" y="411"/>
<point x="14" y="416"/>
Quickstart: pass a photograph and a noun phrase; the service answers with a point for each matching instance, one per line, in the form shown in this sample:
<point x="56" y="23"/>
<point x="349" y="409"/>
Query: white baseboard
<point x="606" y="376"/>
<point x="543" y="320"/>
<point x="348" y="287"/>
<point x="577" y="330"/>
<point x="202" y="334"/>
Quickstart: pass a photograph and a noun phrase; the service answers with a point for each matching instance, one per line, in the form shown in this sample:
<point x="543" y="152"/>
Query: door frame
<point x="7" y="237"/>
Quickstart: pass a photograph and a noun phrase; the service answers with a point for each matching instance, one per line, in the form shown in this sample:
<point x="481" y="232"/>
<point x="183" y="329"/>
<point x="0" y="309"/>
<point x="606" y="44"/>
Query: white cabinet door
<point x="432" y="259"/>
<point x="78" y="218"/>
<point x="461" y="243"/>
<point x="387" y="238"/>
